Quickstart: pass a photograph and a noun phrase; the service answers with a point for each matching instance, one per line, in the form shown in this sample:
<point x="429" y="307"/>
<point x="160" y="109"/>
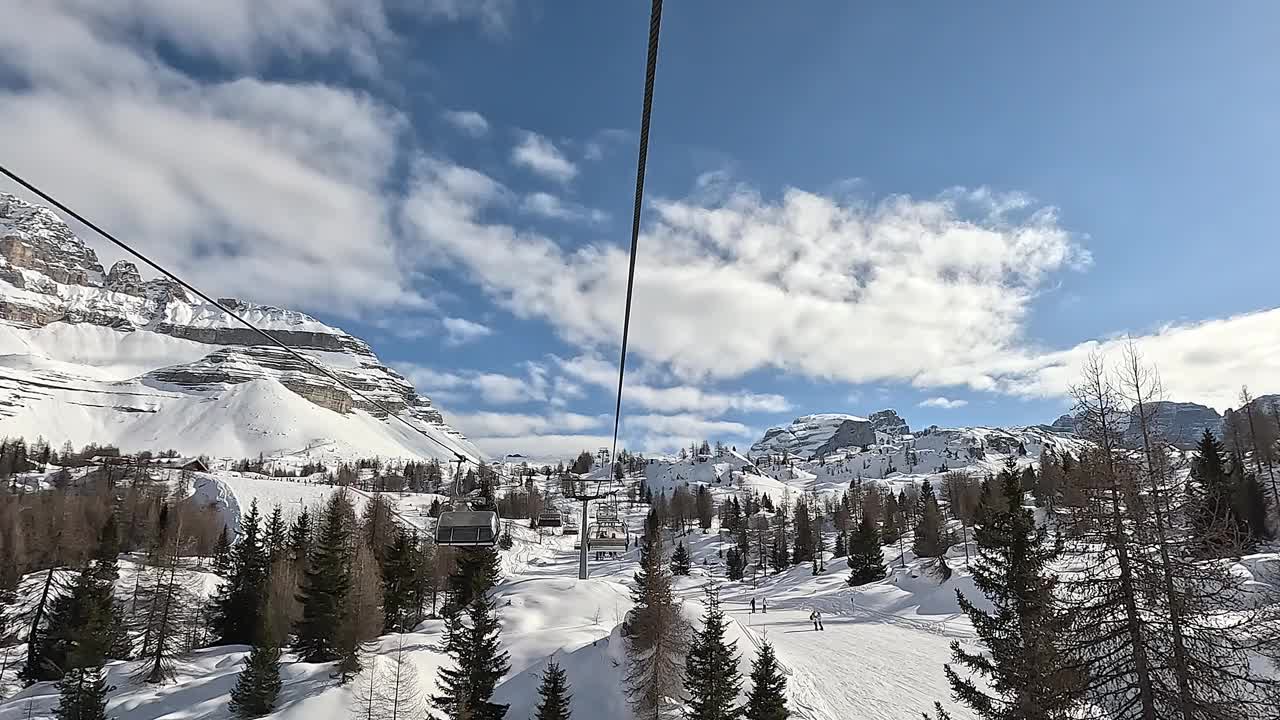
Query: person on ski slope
<point x="816" y="617"/>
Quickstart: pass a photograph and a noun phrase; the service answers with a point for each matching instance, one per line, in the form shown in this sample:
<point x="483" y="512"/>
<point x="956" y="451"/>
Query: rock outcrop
<point x="1178" y="423"/>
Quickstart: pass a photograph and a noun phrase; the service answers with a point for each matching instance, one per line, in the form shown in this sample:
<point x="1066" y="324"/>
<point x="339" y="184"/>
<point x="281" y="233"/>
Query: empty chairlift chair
<point x="467" y="528"/>
<point x="550" y="518"/>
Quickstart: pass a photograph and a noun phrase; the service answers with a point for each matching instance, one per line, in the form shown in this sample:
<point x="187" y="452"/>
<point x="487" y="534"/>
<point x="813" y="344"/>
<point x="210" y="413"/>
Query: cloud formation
<point x="943" y="403"/>
<point x="923" y="291"/>
<point x="539" y="155"/>
<point x="468" y="121"/>
<point x="460" y="331"/>
<point x="551" y="206"/>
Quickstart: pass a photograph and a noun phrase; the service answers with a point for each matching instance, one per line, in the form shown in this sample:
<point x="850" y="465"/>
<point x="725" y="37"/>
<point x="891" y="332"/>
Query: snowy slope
<point x="88" y="356"/>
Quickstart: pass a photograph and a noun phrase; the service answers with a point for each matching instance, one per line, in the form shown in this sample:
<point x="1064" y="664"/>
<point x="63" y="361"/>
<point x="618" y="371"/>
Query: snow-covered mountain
<point x="824" y="433"/>
<point x="94" y="356"/>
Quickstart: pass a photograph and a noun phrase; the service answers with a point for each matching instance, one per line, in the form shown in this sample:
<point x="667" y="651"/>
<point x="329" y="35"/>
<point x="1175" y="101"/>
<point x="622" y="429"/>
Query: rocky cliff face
<point x="1179" y="423"/>
<point x="50" y="279"/>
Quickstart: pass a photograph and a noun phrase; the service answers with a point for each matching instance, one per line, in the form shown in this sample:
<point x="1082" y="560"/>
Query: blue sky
<point x="936" y="208"/>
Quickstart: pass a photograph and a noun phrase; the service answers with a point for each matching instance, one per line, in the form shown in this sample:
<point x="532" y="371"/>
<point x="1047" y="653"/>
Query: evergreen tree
<point x="238" y="605"/>
<point x="477" y="572"/>
<point x="1025" y="668"/>
<point x="780" y="558"/>
<point x="84" y="625"/>
<point x="399" y="604"/>
<point x="930" y="534"/>
<point x="680" y="560"/>
<point x="553" y="693"/>
<point x="767" y="698"/>
<point x="735" y="564"/>
<point x="325" y="585"/>
<point x="222" y="555"/>
<point x="712" y="679"/>
<point x="276" y="535"/>
<point x="804" y="534"/>
<point x="840" y="548"/>
<point x="866" y="561"/>
<point x="258" y="684"/>
<point x="82" y="694"/>
<point x="466" y="690"/>
<point x="1216" y="522"/>
<point x="300" y="537"/>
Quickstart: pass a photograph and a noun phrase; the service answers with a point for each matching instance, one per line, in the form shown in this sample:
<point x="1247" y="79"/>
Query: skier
<point x="816" y="617"/>
<point x="765" y="605"/>
<point x="753" y="606"/>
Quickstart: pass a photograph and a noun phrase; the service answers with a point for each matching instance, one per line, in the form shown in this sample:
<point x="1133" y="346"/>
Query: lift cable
<point x="651" y="67"/>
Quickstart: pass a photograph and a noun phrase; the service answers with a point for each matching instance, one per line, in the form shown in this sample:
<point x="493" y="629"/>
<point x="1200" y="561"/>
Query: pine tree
<point x="553" y="693"/>
<point x="398" y="578"/>
<point x="840" y="548"/>
<point x="325" y="585"/>
<point x="804" y="534"/>
<point x="222" y="555"/>
<point x="238" y="606"/>
<point x="258" y="684"/>
<point x="477" y="572"/>
<point x="767" y="698"/>
<point x="680" y="560"/>
<point x="1216" y="520"/>
<point x="1028" y="674"/>
<point x="276" y="535"/>
<point x="471" y="641"/>
<point x="712" y="679"/>
<point x="735" y="564"/>
<point x="930" y="534"/>
<point x="82" y="694"/>
<point x="84" y="621"/>
<point x="300" y="537"/>
<point x="866" y="560"/>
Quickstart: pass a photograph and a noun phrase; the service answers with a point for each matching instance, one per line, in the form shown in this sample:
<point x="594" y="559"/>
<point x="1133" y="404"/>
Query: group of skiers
<point x="815" y="617"/>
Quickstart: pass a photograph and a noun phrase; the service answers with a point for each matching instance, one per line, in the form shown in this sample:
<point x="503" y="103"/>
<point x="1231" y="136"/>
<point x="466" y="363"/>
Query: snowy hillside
<point x="855" y="668"/>
<point x="88" y="356"/>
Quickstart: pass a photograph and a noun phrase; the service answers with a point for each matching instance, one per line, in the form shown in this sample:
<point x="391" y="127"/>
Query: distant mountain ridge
<point x="94" y="356"/>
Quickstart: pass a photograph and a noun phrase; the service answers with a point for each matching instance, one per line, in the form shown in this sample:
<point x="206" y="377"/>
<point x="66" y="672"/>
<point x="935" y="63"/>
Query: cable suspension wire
<point x="267" y="336"/>
<point x="651" y="67"/>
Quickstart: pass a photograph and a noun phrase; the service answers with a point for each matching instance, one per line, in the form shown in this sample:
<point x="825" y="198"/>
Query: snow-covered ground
<point x="880" y="656"/>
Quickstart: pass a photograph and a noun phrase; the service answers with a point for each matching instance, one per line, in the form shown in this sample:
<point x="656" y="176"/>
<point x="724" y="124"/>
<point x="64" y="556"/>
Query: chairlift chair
<point x="460" y="526"/>
<point x="467" y="528"/>
<point x="607" y="536"/>
<point x="550" y="518"/>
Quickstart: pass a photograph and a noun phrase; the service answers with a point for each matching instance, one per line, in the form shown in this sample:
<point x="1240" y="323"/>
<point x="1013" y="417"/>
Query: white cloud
<point x="900" y="290"/>
<point x="595" y="148"/>
<point x="260" y="189"/>
<point x="467" y="121"/>
<point x="459" y="331"/>
<point x="542" y="448"/>
<point x="493" y="424"/>
<point x="689" y="426"/>
<point x="551" y="206"/>
<point x="1204" y="362"/>
<point x="538" y="154"/>
<point x="944" y="403"/>
<point x="591" y="369"/>
<point x="493" y="15"/>
<point x="490" y="387"/>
